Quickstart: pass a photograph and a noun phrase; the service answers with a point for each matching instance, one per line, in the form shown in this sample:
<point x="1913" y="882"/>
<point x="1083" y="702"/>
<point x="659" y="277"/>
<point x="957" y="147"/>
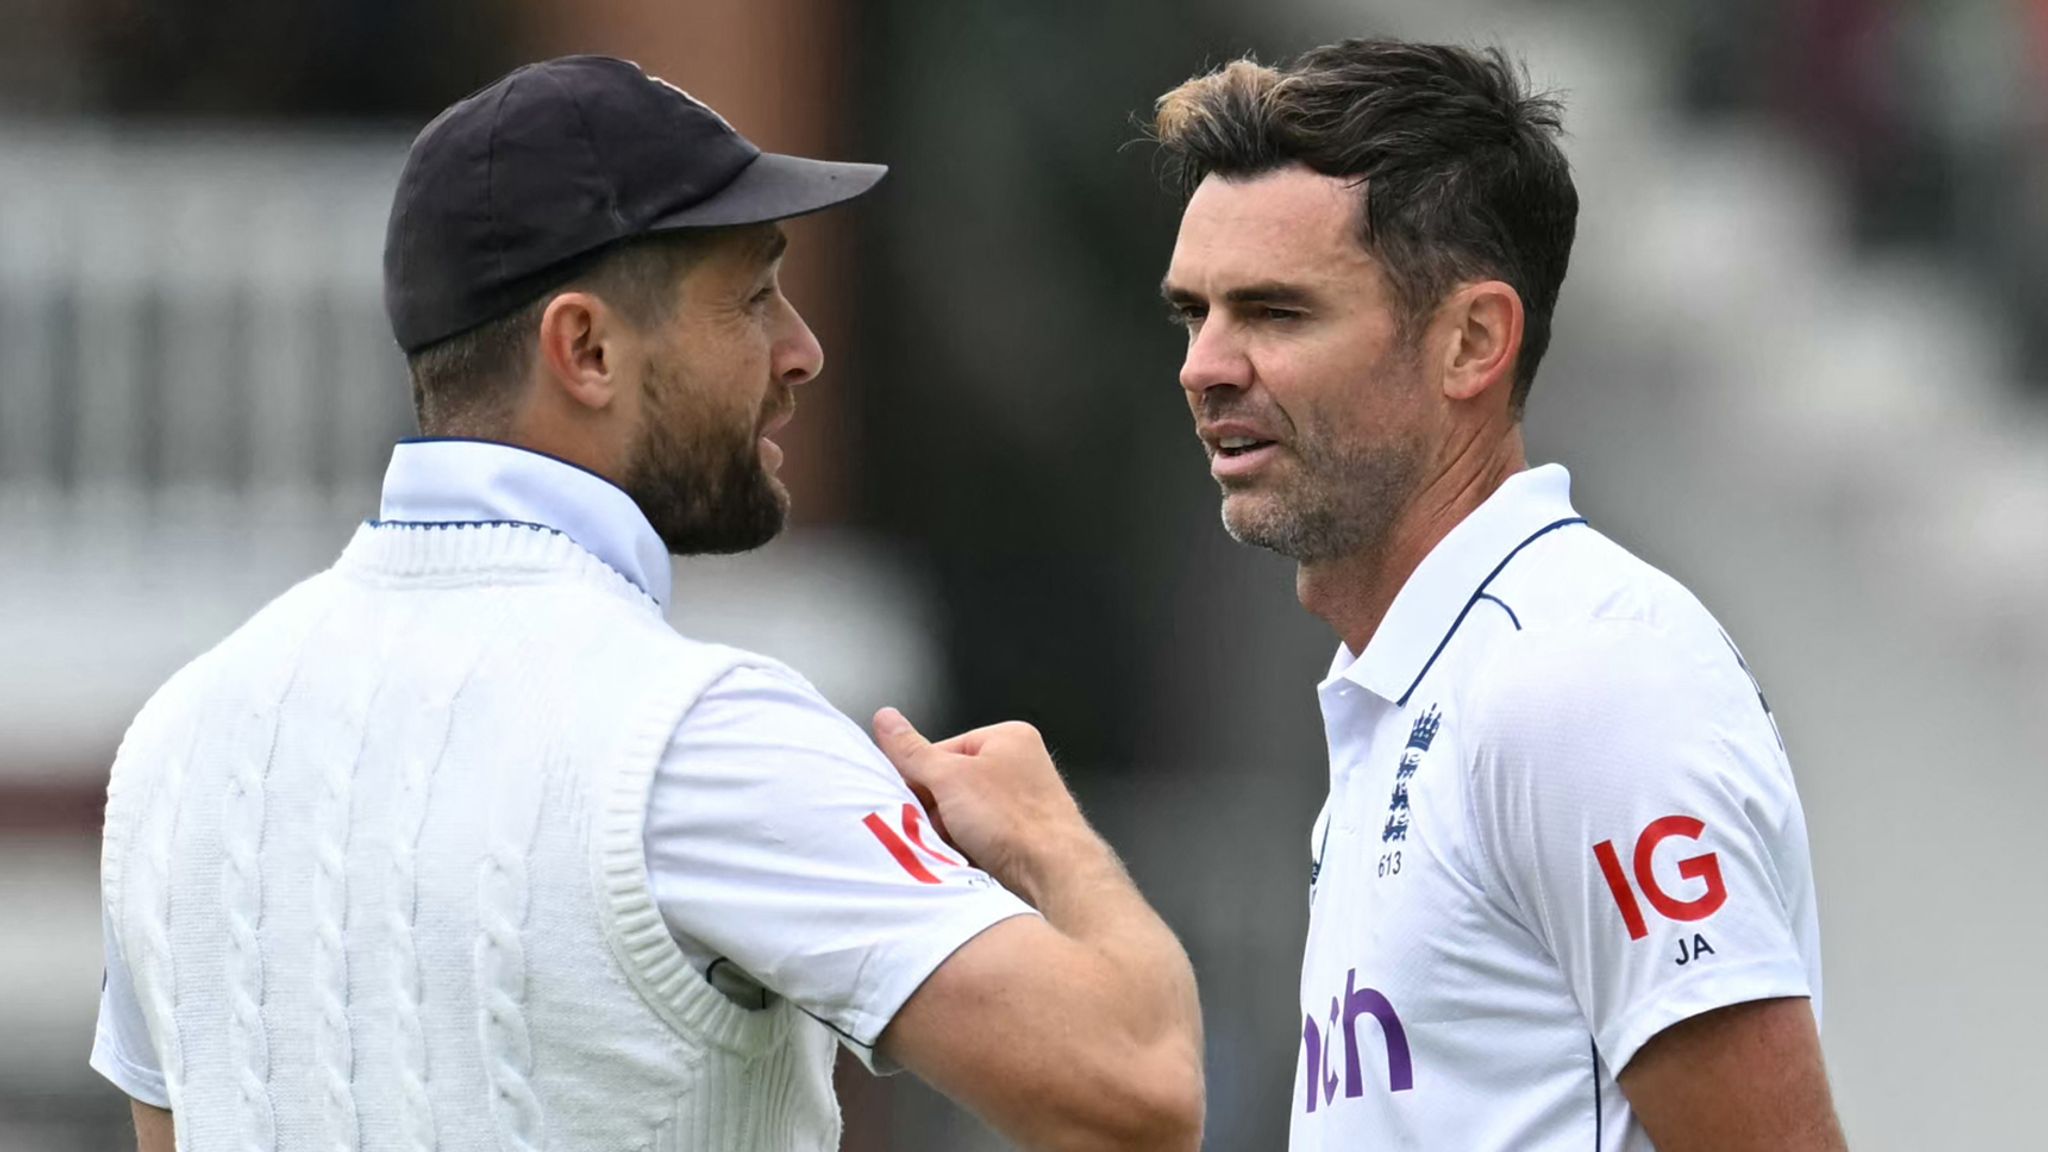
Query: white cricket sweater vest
<point x="376" y="864"/>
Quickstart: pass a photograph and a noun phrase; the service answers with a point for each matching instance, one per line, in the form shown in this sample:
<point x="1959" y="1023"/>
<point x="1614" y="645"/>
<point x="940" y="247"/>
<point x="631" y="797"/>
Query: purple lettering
<point x="1319" y="1046"/>
<point x="1366" y="1001"/>
<point x="1329" y="1077"/>
<point x="1312" y="1066"/>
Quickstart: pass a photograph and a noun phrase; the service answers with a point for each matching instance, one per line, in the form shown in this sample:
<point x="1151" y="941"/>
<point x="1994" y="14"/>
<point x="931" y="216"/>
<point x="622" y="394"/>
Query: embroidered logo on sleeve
<point x="899" y="844"/>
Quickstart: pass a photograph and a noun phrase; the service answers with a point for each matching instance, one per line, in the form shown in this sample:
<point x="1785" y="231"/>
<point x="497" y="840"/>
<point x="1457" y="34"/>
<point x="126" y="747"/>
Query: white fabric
<point x="375" y="865"/>
<point x="1472" y="979"/>
<point x="779" y="872"/>
<point x="121" y="1048"/>
<point x="757" y="830"/>
<point x="455" y="481"/>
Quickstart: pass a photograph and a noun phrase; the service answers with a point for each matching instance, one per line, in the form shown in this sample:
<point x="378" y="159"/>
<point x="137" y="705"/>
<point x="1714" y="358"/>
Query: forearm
<point x="154" y="1131"/>
<point x="1113" y="1059"/>
<point x="1076" y="1030"/>
<point x="1144" y="980"/>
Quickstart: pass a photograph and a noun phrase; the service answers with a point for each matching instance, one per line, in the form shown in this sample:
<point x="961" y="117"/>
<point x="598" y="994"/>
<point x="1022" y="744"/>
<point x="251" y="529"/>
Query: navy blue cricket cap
<point x="506" y="191"/>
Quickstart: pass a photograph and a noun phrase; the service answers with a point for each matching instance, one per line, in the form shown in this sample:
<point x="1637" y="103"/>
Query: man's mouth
<point x="1235" y="446"/>
<point x="771" y="452"/>
<point x="1239" y="458"/>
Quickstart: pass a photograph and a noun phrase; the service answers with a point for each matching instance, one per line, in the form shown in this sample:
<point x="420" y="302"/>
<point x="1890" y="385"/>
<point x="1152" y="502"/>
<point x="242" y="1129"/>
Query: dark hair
<point x="464" y="385"/>
<point x="1459" y="166"/>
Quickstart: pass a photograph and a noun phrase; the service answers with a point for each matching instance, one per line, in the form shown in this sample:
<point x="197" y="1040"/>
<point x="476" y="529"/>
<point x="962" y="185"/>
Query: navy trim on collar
<point x="438" y="480"/>
<point x="1477" y="593"/>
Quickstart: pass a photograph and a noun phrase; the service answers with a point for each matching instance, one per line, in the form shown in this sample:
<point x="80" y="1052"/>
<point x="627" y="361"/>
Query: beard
<point x="1343" y="496"/>
<point x="1343" y="501"/>
<point x="697" y="475"/>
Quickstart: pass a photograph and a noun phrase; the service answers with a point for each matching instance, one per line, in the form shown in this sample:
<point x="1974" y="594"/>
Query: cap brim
<point x="777" y="187"/>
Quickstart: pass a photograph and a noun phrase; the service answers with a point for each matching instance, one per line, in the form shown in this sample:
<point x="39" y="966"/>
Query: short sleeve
<point x="121" y="1048"/>
<point x="780" y="839"/>
<point x="1636" y="811"/>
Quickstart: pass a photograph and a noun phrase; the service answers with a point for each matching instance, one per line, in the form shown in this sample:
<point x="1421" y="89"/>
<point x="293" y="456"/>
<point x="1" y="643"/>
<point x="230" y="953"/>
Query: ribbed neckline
<point x="463" y="551"/>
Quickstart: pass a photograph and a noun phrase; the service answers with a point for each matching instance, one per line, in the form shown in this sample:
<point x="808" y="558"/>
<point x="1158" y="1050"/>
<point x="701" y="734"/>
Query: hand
<point x="993" y="793"/>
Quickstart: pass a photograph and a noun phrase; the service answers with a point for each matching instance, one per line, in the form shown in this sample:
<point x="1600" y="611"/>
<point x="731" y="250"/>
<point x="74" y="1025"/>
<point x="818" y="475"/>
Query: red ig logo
<point x="1706" y="866"/>
<point x="913" y="827"/>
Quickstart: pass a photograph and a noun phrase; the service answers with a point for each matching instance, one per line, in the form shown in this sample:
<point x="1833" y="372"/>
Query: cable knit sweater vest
<point x="376" y="865"/>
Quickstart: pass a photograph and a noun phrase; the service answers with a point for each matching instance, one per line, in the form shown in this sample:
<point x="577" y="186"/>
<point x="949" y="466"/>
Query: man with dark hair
<point x="1561" y="895"/>
<point x="457" y="845"/>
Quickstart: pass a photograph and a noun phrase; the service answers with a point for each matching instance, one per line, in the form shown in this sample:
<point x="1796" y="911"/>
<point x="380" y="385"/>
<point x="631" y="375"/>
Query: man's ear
<point x="581" y="351"/>
<point x="1483" y="339"/>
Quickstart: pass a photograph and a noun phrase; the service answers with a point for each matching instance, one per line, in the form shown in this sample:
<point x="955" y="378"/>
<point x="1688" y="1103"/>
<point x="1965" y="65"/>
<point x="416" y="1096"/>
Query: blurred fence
<point x="193" y="311"/>
<point x="197" y="392"/>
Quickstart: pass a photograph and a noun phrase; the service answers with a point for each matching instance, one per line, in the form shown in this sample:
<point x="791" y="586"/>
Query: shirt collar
<point x="1443" y="588"/>
<point x="451" y="481"/>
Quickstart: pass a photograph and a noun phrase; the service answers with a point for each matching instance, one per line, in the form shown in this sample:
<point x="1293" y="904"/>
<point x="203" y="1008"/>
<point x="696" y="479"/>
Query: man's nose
<point x="1216" y="359"/>
<point x="798" y="355"/>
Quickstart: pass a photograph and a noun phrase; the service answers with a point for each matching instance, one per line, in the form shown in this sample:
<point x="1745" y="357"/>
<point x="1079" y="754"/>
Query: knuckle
<point x="1020" y="730"/>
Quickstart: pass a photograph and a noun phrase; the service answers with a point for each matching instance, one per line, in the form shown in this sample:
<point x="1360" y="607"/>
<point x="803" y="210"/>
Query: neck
<point x="581" y="442"/>
<point x="1352" y="593"/>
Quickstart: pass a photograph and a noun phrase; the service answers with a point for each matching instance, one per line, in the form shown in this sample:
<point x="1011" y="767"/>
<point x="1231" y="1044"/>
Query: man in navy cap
<point x="457" y="845"/>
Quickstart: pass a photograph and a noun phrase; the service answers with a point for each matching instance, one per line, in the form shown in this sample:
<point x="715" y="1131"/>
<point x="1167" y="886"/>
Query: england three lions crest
<point x="1420" y="737"/>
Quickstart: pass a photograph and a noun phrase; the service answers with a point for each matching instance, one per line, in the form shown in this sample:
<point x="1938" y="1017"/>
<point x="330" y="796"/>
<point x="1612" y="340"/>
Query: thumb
<point x="898" y="739"/>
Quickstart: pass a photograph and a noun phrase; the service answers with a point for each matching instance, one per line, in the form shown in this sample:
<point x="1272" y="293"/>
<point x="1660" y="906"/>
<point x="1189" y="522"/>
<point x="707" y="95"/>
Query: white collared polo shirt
<point x="1560" y="820"/>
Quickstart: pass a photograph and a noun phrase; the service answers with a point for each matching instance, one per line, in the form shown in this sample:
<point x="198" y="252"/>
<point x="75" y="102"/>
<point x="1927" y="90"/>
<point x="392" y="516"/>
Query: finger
<point x="898" y="738"/>
<point x="930" y="804"/>
<point x="925" y="799"/>
<point x="965" y="744"/>
<point x="971" y="743"/>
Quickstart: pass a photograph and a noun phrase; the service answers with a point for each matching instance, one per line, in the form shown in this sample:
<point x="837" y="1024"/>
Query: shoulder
<point x="756" y="699"/>
<point x="167" y="723"/>
<point x="757" y="680"/>
<point x="1595" y="622"/>
<point x="1548" y="684"/>
<point x="738" y="678"/>
<point x="1582" y="577"/>
<point x="199" y="681"/>
<point x="621" y="635"/>
<point x="1616" y="664"/>
<point x="1572" y="733"/>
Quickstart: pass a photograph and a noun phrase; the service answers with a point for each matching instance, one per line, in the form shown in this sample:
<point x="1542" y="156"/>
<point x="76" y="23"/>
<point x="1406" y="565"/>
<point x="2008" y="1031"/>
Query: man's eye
<point x="1279" y="314"/>
<point x="1185" y="317"/>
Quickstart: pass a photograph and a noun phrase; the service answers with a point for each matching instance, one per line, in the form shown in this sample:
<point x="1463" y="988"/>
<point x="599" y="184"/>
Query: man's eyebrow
<point x="1270" y="292"/>
<point x="1263" y="292"/>
<point x="774" y="245"/>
